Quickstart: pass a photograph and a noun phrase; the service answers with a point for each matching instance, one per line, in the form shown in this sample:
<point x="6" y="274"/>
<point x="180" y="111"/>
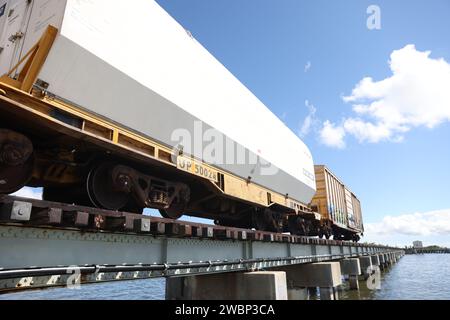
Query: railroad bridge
<point x="45" y="244"/>
<point x="427" y="251"/>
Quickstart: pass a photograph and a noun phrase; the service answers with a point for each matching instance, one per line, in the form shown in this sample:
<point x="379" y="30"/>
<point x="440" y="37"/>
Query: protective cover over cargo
<point x="132" y="63"/>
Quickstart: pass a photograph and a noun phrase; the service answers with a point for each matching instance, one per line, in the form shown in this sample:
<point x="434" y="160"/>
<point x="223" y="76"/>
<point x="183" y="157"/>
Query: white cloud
<point x="308" y="66"/>
<point x="310" y="121"/>
<point x="434" y="223"/>
<point x="416" y="95"/>
<point x="366" y="131"/>
<point x="332" y="135"/>
<point x="29" y="193"/>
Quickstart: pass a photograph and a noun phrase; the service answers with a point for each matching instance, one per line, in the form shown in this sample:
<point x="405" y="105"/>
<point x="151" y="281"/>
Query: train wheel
<point x="14" y="178"/>
<point x="16" y="161"/>
<point x="298" y="226"/>
<point x="132" y="207"/>
<point x="293" y="226"/>
<point x="308" y="228"/>
<point x="267" y="221"/>
<point x="337" y="236"/>
<point x="325" y="233"/>
<point x="101" y="191"/>
<point x="172" y="213"/>
<point x="322" y="231"/>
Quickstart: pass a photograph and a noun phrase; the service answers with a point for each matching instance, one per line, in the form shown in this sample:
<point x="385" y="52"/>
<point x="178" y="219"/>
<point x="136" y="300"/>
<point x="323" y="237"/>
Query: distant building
<point x="418" y="244"/>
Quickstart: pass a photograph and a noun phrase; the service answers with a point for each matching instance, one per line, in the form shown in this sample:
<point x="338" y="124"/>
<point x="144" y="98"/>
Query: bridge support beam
<point x="296" y="294"/>
<point x="366" y="267"/>
<point x="229" y="286"/>
<point x="326" y="276"/>
<point x="394" y="258"/>
<point x="352" y="269"/>
<point x="391" y="258"/>
<point x="387" y="260"/>
<point x="382" y="261"/>
<point x="375" y="261"/>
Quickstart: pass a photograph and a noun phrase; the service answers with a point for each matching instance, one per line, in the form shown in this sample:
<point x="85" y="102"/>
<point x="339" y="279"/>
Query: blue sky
<point x="290" y="51"/>
<point x="301" y="58"/>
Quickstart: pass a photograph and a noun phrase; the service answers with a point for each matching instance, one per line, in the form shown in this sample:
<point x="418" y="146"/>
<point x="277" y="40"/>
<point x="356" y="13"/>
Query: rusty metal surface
<point x="16" y="161"/>
<point x="15" y="148"/>
<point x="45" y="213"/>
<point x="50" y="238"/>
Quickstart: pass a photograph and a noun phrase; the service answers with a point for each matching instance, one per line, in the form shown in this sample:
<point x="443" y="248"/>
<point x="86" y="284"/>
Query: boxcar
<point x="339" y="208"/>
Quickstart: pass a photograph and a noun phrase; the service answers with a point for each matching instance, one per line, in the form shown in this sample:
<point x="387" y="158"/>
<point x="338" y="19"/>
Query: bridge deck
<point x="43" y="243"/>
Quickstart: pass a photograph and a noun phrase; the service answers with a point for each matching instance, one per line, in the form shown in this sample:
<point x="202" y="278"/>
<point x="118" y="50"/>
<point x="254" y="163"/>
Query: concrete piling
<point x="366" y="267"/>
<point x="296" y="282"/>
<point x="329" y="294"/>
<point x="297" y="293"/>
<point x="382" y="261"/>
<point x="229" y="286"/>
<point x="352" y="269"/>
<point x="387" y="260"/>
<point x="375" y="260"/>
<point x="326" y="276"/>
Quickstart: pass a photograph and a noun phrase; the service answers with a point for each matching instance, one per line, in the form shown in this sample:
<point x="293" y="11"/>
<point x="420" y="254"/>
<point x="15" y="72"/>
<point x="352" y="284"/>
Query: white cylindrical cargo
<point x="132" y="63"/>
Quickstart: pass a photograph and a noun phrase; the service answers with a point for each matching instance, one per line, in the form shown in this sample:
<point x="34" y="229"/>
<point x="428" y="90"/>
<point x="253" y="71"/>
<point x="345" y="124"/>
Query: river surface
<point x="415" y="277"/>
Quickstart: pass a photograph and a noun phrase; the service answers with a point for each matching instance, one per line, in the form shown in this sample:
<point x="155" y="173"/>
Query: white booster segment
<point x="132" y="63"/>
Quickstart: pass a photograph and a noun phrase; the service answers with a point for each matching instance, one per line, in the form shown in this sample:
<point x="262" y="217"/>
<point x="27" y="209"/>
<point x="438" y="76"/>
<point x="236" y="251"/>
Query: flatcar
<point x="119" y="107"/>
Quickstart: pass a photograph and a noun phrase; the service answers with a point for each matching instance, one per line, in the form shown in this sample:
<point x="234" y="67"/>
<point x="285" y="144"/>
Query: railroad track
<point x="42" y="242"/>
<point x="39" y="213"/>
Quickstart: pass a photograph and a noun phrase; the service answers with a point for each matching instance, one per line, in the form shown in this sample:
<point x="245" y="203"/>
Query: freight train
<point x="119" y="107"/>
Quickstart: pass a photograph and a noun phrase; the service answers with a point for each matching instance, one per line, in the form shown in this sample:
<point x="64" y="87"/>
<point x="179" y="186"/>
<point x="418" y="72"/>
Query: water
<point x="153" y="289"/>
<point x="415" y="277"/>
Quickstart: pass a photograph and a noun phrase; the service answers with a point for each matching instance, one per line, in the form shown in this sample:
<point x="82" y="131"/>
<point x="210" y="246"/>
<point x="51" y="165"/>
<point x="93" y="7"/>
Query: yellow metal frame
<point x="21" y="91"/>
<point x="35" y="59"/>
